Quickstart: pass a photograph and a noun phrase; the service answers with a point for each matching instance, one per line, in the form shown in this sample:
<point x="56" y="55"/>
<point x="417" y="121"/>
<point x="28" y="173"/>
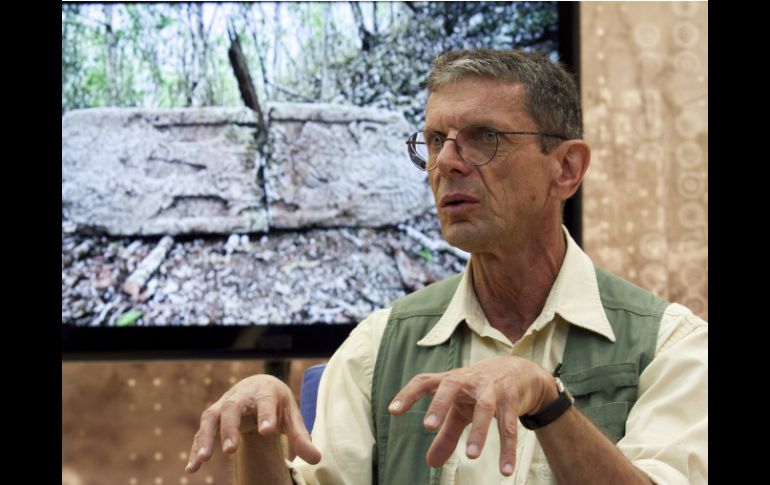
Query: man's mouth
<point x="456" y="200"/>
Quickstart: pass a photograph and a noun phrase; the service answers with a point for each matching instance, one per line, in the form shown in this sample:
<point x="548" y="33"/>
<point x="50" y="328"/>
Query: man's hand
<point x="500" y="387"/>
<point x="258" y="407"/>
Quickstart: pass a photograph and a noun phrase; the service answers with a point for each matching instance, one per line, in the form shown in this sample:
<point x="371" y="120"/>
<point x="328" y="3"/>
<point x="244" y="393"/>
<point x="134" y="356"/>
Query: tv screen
<point x="244" y="165"/>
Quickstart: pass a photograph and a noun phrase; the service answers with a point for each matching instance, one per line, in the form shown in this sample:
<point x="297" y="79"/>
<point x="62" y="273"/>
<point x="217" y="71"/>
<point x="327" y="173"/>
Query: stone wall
<point x="129" y="171"/>
<point x="147" y="172"/>
<point x="341" y="165"/>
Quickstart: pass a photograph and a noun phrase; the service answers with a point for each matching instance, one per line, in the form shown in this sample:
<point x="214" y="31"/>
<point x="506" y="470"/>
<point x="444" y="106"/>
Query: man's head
<point x="551" y="97"/>
<point x="502" y="146"/>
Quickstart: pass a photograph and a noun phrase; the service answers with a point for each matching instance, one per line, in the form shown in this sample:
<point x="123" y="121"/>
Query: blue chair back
<point x="308" y="394"/>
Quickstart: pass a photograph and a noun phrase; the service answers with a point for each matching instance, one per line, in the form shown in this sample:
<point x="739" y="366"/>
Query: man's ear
<point x="573" y="157"/>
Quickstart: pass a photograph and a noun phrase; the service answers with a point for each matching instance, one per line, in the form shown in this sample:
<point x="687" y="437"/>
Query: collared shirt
<point x="666" y="431"/>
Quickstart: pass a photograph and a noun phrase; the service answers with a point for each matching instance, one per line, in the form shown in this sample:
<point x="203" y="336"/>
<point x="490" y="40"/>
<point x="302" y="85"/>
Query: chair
<point x="308" y="394"/>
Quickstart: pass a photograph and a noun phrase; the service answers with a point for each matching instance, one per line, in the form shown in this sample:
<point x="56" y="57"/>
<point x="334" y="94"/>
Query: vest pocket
<point x="610" y="418"/>
<point x="605" y="394"/>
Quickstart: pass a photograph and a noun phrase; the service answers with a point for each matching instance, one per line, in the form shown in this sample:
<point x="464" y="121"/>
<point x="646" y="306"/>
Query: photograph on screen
<point x="246" y="164"/>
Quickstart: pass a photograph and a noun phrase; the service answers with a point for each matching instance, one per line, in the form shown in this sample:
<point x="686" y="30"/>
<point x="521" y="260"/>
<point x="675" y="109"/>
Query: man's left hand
<point x="500" y="387"/>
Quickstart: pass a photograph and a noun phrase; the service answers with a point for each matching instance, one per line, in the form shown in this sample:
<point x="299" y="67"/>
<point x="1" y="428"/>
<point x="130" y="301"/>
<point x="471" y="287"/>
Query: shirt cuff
<point x="663" y="474"/>
<point x="296" y="477"/>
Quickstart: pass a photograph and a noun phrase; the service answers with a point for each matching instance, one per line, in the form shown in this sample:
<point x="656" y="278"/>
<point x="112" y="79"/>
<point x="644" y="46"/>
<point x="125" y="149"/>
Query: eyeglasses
<point x="476" y="145"/>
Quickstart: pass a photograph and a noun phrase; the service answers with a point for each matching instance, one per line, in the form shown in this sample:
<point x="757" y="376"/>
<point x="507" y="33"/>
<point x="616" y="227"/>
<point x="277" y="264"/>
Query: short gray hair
<point x="551" y="97"/>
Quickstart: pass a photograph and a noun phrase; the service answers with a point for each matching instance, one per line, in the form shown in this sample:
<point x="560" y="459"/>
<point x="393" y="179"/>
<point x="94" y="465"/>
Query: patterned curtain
<point x="644" y="76"/>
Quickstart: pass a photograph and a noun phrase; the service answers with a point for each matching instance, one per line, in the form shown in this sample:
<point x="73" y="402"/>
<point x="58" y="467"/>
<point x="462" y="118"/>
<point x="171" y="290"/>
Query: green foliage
<point x="128" y="318"/>
<point x="155" y="55"/>
<point x="426" y="254"/>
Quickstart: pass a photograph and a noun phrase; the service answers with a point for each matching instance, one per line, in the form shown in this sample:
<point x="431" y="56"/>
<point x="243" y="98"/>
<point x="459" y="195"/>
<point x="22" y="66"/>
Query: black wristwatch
<point x="551" y="411"/>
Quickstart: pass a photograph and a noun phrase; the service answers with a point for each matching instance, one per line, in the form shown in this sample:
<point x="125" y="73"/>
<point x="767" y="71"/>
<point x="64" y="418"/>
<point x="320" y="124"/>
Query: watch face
<point x="563" y="389"/>
<point x="559" y="385"/>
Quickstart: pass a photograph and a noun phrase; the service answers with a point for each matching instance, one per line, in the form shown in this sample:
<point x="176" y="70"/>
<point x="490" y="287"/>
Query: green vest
<point x="602" y="376"/>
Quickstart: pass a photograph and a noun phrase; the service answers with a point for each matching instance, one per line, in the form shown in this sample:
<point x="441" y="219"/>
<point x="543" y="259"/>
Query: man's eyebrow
<point x="495" y="125"/>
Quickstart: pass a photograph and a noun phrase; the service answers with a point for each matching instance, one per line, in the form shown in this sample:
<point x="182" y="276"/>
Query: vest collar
<point x="574" y="296"/>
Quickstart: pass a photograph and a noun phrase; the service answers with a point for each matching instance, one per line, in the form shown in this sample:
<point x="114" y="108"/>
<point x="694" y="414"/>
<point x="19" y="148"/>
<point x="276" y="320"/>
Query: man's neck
<point x="512" y="288"/>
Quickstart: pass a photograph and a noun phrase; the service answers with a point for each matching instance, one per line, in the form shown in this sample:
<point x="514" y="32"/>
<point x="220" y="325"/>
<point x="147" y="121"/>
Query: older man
<point x="542" y="368"/>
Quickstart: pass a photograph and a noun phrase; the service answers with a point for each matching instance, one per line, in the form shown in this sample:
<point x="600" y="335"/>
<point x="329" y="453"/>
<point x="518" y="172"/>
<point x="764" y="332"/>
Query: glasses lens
<point x="423" y="149"/>
<point x="477" y="144"/>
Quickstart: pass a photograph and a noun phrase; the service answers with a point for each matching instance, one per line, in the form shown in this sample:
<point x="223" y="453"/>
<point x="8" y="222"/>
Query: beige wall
<point x="132" y="423"/>
<point x="644" y="70"/>
<point x="644" y="77"/>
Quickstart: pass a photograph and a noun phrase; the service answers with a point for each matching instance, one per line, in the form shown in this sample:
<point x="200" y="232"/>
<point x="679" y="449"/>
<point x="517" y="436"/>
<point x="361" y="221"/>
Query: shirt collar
<point x="574" y="296"/>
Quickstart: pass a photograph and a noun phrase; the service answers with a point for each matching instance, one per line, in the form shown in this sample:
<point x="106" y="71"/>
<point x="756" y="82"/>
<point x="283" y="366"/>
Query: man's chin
<point x="464" y="239"/>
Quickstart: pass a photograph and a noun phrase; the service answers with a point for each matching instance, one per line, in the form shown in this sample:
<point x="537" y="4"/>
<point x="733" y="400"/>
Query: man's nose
<point x="449" y="160"/>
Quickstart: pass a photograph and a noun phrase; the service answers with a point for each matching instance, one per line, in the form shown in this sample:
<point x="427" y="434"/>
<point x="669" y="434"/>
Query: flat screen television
<point x="193" y="227"/>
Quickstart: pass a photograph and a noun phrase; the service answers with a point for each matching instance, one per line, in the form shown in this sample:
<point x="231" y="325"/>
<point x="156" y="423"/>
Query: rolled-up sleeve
<point x="343" y="430"/>
<point x="667" y="429"/>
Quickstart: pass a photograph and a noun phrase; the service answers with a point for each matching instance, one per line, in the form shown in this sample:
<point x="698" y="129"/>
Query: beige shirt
<point x="666" y="432"/>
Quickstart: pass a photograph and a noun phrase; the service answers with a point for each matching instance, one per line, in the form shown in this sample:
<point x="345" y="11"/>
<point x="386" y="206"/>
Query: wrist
<point x="549" y="392"/>
<point x="551" y="407"/>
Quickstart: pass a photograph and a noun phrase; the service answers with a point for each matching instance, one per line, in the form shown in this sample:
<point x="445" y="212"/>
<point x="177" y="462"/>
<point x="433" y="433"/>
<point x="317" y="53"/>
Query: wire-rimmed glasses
<point x="475" y="145"/>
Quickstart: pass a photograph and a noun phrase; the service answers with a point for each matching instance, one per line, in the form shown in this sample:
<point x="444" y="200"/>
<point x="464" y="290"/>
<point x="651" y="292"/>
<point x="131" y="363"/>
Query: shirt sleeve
<point x="343" y="430"/>
<point x="667" y="429"/>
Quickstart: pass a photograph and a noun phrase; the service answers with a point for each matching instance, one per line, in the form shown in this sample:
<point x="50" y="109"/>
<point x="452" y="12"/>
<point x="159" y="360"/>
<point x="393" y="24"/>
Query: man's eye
<point x="489" y="136"/>
<point x="435" y="140"/>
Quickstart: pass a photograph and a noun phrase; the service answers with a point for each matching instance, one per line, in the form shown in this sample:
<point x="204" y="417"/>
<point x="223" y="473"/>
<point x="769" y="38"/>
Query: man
<point x="503" y="150"/>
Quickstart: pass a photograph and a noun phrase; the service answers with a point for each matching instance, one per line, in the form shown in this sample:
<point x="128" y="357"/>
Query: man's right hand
<point x="258" y="407"/>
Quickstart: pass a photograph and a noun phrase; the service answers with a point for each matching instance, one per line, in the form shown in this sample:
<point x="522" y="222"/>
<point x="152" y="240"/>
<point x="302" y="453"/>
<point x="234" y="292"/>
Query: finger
<point x="507" y="425"/>
<point x="419" y="386"/>
<point x="231" y="414"/>
<point x="267" y="414"/>
<point x="445" y="442"/>
<point x="483" y="412"/>
<point x="442" y="402"/>
<point x="203" y="443"/>
<point x="299" y="436"/>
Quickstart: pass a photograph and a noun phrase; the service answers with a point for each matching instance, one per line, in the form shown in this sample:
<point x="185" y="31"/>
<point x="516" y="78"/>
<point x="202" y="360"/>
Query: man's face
<point x="501" y="205"/>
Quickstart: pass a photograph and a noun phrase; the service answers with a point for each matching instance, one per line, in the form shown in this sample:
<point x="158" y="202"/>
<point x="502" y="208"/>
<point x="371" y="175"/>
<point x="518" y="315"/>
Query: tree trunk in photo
<point x="245" y="85"/>
<point x="276" y="38"/>
<point x="367" y="40"/>
<point x="326" y="83"/>
<point x="111" y="66"/>
<point x="187" y="76"/>
<point x="201" y="94"/>
<point x="195" y="78"/>
<point x="375" y="27"/>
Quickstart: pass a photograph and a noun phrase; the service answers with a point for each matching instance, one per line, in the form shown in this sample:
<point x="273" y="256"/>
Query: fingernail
<point x="395" y="405"/>
<point x="473" y="450"/>
<point x="265" y="423"/>
<point x="431" y="421"/>
<point x="508" y="469"/>
<point x="228" y="444"/>
<point x="188" y="467"/>
<point x="202" y="451"/>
